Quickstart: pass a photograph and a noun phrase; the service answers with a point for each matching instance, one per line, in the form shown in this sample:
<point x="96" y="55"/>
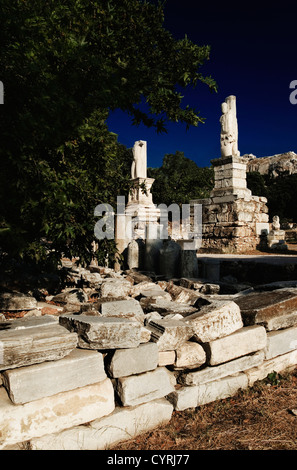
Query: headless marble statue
<point x="139" y="164"/>
<point x="229" y="129"/>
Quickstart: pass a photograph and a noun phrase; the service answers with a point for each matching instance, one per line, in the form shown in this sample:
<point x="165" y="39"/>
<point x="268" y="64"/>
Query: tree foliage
<point x="281" y="193"/>
<point x="65" y="64"/>
<point x="179" y="180"/>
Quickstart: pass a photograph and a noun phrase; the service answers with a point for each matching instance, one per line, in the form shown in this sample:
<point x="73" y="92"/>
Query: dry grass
<point x="260" y="418"/>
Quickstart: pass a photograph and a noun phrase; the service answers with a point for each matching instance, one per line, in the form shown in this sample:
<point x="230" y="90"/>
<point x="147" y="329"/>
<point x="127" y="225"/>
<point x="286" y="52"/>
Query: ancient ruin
<point x="111" y="353"/>
<point x="234" y="221"/>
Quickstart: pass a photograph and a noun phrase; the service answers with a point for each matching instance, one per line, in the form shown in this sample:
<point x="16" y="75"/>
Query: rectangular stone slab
<point x="209" y="374"/>
<point x="278" y="364"/>
<point x="27" y="346"/>
<point x="216" y="320"/>
<point x="145" y="387"/>
<point x="123" y="308"/>
<point x="20" y="423"/>
<point x="274" y="309"/>
<point x="96" y="332"/>
<point x="169" y="334"/>
<point x="124" y="423"/>
<point x="281" y="342"/>
<point x="244" y="341"/>
<point x="80" y="368"/>
<point x="125" y="362"/>
<point x="165" y="307"/>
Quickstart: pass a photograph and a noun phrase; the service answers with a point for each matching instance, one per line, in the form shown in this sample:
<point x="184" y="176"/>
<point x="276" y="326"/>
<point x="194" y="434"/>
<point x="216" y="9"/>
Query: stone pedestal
<point x="276" y="240"/>
<point x="140" y="209"/>
<point x="233" y="220"/>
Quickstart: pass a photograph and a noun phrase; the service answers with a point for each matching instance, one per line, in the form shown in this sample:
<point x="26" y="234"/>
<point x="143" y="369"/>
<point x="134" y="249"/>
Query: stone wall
<point x="232" y="225"/>
<point x="119" y="356"/>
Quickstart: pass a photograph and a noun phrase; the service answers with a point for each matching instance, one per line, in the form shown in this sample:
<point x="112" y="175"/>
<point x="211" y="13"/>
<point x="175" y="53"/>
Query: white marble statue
<point x="275" y="223"/>
<point x="139" y="164"/>
<point x="229" y="129"/>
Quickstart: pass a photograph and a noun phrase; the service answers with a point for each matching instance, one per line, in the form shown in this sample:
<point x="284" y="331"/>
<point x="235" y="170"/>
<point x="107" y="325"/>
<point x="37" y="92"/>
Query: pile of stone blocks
<point x="104" y="369"/>
<point x="255" y="339"/>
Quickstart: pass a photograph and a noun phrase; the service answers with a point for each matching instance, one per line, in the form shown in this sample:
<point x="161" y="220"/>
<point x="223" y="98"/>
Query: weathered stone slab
<point x="182" y="294"/>
<point x="145" y="335"/>
<point x="103" y="332"/>
<point x="189" y="355"/>
<point x="20" y="423"/>
<point x="33" y="345"/>
<point x="244" y="341"/>
<point x="137" y="277"/>
<point x="276" y="309"/>
<point x="183" y="398"/>
<point x="123" y="308"/>
<point x="125" y="362"/>
<point x="216" y="320"/>
<point x="124" y="423"/>
<point x="33" y="322"/>
<point x="169" y="334"/>
<point x="164" y="307"/>
<point x="78" y="369"/>
<point x="137" y="389"/>
<point x="209" y="374"/>
<point x="277" y="364"/>
<point x="222" y="388"/>
<point x="113" y="287"/>
<point x="149" y="289"/>
<point x="281" y="342"/>
<point x="166" y="358"/>
<point x="197" y="395"/>
<point x="16" y="301"/>
<point x="75" y="296"/>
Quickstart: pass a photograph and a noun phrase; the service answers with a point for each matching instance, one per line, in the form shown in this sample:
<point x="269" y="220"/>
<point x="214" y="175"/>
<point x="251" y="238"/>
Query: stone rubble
<point x="121" y="351"/>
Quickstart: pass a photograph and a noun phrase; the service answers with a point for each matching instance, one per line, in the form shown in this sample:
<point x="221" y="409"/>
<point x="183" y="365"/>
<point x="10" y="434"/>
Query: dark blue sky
<point x="254" y="57"/>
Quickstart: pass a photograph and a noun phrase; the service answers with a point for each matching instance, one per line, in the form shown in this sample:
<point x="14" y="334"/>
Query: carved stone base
<point x="232" y="218"/>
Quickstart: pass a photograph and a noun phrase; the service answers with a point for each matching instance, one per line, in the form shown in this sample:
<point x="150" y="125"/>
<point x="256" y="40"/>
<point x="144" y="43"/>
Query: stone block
<point x="275" y="309"/>
<point x="137" y="389"/>
<point x="16" y="301"/>
<point x="123" y="308"/>
<point x="75" y="296"/>
<point x="164" y="307"/>
<point x="277" y="364"/>
<point x="22" y="346"/>
<point x="103" y="332"/>
<point x="209" y="374"/>
<point x="189" y="355"/>
<point x="182" y="294"/>
<point x="215" y="320"/>
<point x="222" y="388"/>
<point x="280" y="342"/>
<point x="100" y="434"/>
<point x="79" y="368"/>
<point x="244" y="341"/>
<point x="184" y="398"/>
<point x="148" y="289"/>
<point x="169" y="334"/>
<point x="20" y="423"/>
<point x="166" y="358"/>
<point x="112" y="287"/>
<point x="125" y="362"/>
